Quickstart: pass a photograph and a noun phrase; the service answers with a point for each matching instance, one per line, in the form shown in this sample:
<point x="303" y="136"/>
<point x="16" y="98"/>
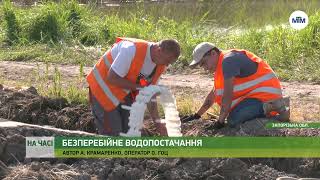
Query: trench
<point x="28" y="107"/>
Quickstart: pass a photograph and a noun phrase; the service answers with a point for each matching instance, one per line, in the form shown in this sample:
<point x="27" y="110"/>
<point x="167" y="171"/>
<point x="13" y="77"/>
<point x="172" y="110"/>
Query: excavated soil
<point x="27" y="106"/>
<point x="12" y="152"/>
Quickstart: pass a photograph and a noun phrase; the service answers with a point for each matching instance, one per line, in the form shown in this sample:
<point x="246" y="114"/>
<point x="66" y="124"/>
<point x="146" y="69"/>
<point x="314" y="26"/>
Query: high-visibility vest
<point x="108" y="95"/>
<point x="263" y="85"/>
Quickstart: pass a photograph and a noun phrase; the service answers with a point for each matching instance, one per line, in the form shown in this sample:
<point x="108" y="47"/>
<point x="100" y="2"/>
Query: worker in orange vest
<point x="115" y="79"/>
<point x="245" y="86"/>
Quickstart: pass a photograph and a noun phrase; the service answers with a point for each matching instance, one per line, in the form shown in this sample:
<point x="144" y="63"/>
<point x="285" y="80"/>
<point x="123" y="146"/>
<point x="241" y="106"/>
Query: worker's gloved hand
<point x="192" y="117"/>
<point x="215" y="125"/>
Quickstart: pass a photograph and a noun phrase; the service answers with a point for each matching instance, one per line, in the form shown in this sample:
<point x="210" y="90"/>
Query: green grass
<point x="50" y="53"/>
<point x="292" y="54"/>
<point x="61" y="33"/>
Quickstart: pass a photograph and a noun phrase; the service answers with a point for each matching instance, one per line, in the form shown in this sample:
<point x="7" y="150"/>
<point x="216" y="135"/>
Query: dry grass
<point x="305" y="110"/>
<point x="10" y="83"/>
<point x="187" y="105"/>
<point x="26" y="172"/>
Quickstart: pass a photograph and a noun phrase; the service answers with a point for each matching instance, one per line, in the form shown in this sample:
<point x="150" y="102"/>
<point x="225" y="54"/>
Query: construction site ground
<point x="23" y="112"/>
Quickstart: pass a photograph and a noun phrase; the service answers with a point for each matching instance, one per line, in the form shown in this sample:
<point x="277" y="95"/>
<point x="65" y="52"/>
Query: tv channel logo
<point x="298" y="20"/>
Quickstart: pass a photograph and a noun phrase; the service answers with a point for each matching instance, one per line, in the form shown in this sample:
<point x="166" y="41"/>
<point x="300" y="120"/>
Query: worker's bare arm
<point x="226" y="99"/>
<point x="121" y="82"/>
<point x="207" y="103"/>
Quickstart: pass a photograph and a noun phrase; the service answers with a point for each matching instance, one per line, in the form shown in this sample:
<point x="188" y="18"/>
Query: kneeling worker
<point x="245" y="86"/>
<point x="115" y="79"/>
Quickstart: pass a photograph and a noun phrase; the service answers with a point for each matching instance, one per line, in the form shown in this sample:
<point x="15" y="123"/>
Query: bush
<point x="294" y="54"/>
<point x="12" y="26"/>
<point x="90" y="38"/>
<point x="45" y="28"/>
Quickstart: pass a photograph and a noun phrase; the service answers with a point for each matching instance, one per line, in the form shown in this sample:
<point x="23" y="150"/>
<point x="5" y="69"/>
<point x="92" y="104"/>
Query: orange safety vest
<point x="263" y="85"/>
<point x="108" y="95"/>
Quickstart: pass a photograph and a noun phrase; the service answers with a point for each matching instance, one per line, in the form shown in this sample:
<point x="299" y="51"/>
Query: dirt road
<point x="23" y="71"/>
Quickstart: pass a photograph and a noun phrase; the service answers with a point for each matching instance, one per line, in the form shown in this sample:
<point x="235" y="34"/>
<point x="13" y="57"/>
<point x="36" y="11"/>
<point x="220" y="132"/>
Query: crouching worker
<point x="245" y="86"/>
<point x="115" y="79"/>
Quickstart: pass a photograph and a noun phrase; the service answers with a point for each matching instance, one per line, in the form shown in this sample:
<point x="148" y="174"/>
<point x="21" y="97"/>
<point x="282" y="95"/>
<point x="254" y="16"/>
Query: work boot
<point x="281" y="106"/>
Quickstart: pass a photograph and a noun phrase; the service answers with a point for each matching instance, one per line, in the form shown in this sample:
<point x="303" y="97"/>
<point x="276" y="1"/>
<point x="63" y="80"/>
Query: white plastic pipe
<point x="138" y="108"/>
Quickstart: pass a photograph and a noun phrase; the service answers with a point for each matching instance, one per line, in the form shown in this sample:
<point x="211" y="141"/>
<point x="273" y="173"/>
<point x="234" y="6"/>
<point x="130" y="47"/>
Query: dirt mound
<point x="13" y="153"/>
<point x="46" y="171"/>
<point x="256" y="127"/>
<point x="302" y="167"/>
<point x="115" y="169"/>
<point x="263" y="172"/>
<point x="27" y="106"/>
